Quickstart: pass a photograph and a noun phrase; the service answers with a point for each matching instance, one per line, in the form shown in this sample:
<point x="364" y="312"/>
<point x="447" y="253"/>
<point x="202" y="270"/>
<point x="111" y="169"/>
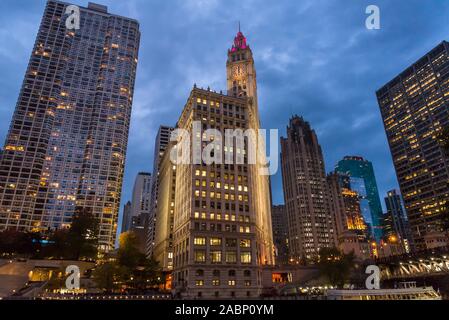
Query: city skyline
<point x="277" y="58"/>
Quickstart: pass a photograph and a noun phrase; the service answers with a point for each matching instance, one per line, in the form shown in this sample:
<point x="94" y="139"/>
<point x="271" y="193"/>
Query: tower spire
<point x="239" y="27"/>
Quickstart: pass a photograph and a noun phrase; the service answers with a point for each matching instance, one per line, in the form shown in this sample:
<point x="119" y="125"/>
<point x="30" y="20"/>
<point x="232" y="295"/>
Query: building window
<point x="231" y="283"/>
<point x="215" y="282"/>
<point x="245" y="243"/>
<point x="216" y="273"/>
<point x="199" y="241"/>
<point x="245" y="257"/>
<point x="231" y="257"/>
<point x="231" y="273"/>
<point x="247" y="273"/>
<point x="215" y="256"/>
<point x="247" y="283"/>
<point x="200" y="273"/>
<point x="199" y="283"/>
<point x="215" y="241"/>
<point x="231" y="243"/>
<point x="200" y="256"/>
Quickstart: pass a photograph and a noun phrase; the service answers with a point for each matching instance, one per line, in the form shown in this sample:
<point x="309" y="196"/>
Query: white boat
<point x="405" y="291"/>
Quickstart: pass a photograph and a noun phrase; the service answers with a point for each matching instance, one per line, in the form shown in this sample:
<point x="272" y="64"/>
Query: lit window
<point x="245" y="257"/>
<point x="231" y="283"/>
<point x="200" y="241"/>
<point x="199" y="283"/>
<point x="200" y="256"/>
<point x="215" y="241"/>
<point x="215" y="256"/>
<point x="245" y="243"/>
<point x="215" y="282"/>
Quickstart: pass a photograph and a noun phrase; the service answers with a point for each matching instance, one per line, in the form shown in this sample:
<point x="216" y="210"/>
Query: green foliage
<point x="78" y="242"/>
<point x="335" y="265"/>
<point x="107" y="276"/>
<point x="131" y="269"/>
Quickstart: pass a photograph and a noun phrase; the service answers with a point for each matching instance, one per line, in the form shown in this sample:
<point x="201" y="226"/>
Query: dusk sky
<point x="314" y="58"/>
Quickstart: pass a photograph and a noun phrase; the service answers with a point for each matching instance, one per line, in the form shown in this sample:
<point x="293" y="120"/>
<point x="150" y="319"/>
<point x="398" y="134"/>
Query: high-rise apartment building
<point x="66" y="146"/>
<point x="222" y="220"/>
<point x="397" y="227"/>
<point x="363" y="181"/>
<point x="161" y="144"/>
<point x="415" y="110"/>
<point x="311" y="222"/>
<point x="280" y="233"/>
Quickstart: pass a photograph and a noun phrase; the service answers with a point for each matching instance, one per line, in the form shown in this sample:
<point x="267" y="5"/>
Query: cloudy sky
<point x="314" y="58"/>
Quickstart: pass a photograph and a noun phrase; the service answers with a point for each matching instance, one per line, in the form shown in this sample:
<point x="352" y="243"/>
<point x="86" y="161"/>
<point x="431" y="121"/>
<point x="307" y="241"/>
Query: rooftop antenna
<point x="239" y="26"/>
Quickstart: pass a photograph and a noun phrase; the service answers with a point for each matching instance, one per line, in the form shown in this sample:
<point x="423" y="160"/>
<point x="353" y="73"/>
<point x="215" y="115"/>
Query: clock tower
<point x="241" y="74"/>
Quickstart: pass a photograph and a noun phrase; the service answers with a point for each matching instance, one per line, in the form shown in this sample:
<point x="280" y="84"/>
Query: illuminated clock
<point x="238" y="71"/>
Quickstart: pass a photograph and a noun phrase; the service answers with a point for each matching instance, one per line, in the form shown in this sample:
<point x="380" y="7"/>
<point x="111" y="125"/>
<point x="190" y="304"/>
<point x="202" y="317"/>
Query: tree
<point x="82" y="237"/>
<point x="106" y="276"/>
<point x="335" y="265"/>
<point x="128" y="254"/>
<point x="17" y="242"/>
<point x="136" y="270"/>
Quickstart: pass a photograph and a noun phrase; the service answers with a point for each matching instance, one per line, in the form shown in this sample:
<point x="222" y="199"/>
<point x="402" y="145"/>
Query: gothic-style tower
<point x="242" y="83"/>
<point x="241" y="74"/>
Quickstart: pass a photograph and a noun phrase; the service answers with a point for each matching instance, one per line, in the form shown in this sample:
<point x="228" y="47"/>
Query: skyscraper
<point x="140" y="203"/>
<point x="161" y="144"/>
<point x="363" y="181"/>
<point x="415" y="109"/>
<point x="222" y="220"/>
<point x="397" y="225"/>
<point x="162" y="249"/>
<point x="127" y="217"/>
<point x="66" y="147"/>
<point x="280" y="233"/>
<point x="351" y="229"/>
<point x="310" y="220"/>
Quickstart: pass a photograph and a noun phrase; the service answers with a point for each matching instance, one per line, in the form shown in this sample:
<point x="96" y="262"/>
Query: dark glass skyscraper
<point x="363" y="181"/>
<point x="280" y="233"/>
<point x="415" y="110"/>
<point x="66" y="146"/>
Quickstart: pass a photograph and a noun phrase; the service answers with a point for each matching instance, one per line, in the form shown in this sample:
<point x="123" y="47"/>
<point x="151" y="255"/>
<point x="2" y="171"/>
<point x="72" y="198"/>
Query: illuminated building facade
<point x="66" y="147"/>
<point x="415" y="109"/>
<point x="222" y="219"/>
<point x="363" y="181"/>
<point x="351" y="229"/>
<point x="161" y="144"/>
<point x="280" y="233"/>
<point x="310" y="220"/>
<point x="163" y="232"/>
<point x="396" y="226"/>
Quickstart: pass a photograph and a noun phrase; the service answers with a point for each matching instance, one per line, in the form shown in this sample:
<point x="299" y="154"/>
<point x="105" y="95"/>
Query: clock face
<point x="238" y="71"/>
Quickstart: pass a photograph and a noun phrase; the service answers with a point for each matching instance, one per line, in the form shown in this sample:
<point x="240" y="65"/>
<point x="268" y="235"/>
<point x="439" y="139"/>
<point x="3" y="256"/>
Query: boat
<point x="405" y="291"/>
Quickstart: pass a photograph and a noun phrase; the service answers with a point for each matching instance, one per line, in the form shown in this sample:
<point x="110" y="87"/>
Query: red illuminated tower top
<point x="239" y="42"/>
